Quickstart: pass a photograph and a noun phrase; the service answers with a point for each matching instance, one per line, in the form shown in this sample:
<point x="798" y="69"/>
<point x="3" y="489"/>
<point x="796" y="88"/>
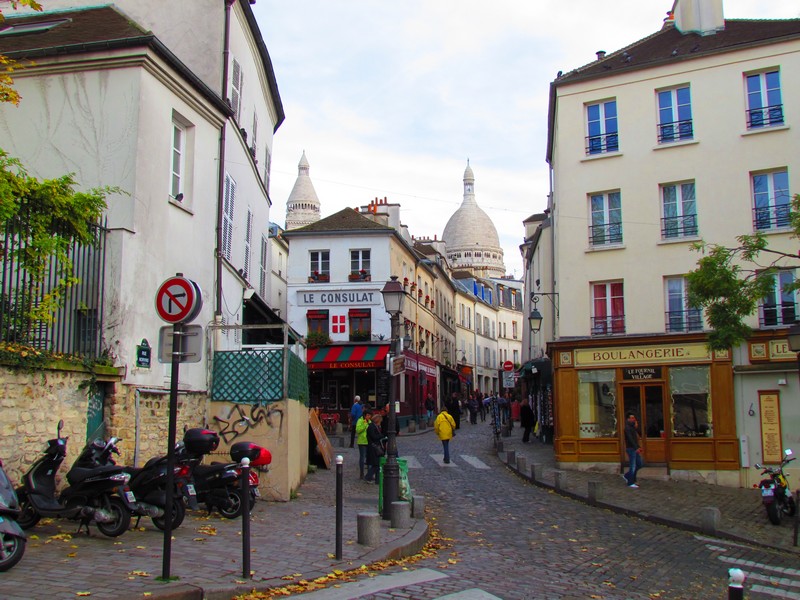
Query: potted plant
<point x="315" y="339"/>
<point x="360" y="335"/>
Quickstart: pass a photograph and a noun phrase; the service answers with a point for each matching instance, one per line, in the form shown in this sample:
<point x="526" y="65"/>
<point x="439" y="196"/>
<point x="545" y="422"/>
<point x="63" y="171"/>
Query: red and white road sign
<point x="178" y="300"/>
<point x="508" y="366"/>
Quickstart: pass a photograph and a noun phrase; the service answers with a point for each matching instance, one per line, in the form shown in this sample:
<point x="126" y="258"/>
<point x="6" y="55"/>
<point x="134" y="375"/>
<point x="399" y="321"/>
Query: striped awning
<point x="361" y="356"/>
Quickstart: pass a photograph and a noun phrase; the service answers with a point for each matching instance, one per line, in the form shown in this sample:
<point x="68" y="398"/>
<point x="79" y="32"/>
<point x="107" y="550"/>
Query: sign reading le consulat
<point x="337" y="298"/>
<point x="636" y="355"/>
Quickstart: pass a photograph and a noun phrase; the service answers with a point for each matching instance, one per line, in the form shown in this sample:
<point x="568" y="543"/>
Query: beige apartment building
<point x="688" y="134"/>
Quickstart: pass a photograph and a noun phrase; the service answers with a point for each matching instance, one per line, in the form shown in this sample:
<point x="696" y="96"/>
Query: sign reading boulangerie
<point x="636" y="355"/>
<point x="770" y="408"/>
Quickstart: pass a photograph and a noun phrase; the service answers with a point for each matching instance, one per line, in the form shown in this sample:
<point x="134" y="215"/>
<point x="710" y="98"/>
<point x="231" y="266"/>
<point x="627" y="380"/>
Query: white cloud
<point x="390" y="99"/>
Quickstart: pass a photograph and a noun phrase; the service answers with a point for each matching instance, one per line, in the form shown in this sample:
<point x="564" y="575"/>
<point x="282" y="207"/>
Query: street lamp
<point x="393" y="297"/>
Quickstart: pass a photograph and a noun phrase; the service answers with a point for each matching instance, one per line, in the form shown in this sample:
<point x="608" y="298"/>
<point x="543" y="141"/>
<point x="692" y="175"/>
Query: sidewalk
<point x="673" y="503"/>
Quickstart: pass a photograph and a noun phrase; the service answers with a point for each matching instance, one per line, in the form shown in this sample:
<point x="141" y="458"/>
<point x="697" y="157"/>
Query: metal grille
<point x="76" y="324"/>
<point x="253" y="376"/>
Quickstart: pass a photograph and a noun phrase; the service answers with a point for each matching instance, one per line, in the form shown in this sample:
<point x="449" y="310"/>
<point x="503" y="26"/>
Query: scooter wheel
<point x="774" y="513"/>
<point x="178" y="514"/>
<point x="28" y="515"/>
<point x="234" y="505"/>
<point x="12" y="548"/>
<point x="122" y="518"/>
<point x="791" y="507"/>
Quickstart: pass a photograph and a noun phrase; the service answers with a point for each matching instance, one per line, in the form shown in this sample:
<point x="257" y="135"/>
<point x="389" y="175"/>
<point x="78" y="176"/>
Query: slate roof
<point x="670" y="45"/>
<point x="347" y="219"/>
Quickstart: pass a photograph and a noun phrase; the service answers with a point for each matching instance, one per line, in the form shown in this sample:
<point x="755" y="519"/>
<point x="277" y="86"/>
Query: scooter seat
<point x="217" y="466"/>
<point x="78" y="474"/>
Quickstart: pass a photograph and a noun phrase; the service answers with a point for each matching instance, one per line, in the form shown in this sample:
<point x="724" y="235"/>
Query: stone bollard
<point x="560" y="479"/>
<point x="369" y="529"/>
<point x="418" y="507"/>
<point x="594" y="492"/>
<point x="522" y="465"/>
<point x="339" y="428"/>
<point x="709" y="519"/>
<point x="511" y="457"/>
<point x="423" y="425"/>
<point x="499" y="446"/>
<point x="412" y="426"/>
<point x="400" y="515"/>
<point x="506" y="431"/>
<point x="536" y="472"/>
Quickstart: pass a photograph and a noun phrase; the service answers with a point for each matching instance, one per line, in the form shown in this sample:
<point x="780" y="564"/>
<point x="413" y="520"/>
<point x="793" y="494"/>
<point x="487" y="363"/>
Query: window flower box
<point x="361" y="275"/>
<point x="360" y="335"/>
<point x="405" y="281"/>
<point x="317" y="277"/>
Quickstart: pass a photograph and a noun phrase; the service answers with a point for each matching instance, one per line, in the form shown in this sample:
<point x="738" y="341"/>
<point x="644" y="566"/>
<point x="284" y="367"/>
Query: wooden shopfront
<point x="681" y="393"/>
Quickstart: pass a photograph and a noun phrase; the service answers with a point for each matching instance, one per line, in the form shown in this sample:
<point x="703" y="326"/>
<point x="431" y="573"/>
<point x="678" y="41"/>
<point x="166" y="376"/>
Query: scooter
<point x="12" y="538"/>
<point x="775" y="492"/>
<point x="95" y="494"/>
<point x="218" y="484"/>
<point x="149" y="483"/>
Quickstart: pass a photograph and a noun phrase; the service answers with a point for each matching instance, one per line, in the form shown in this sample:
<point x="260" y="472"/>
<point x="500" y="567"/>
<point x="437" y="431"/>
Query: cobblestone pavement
<point x="509" y="537"/>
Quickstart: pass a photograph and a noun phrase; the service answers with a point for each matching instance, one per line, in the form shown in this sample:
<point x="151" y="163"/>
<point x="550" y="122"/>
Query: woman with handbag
<point x="375" y="448"/>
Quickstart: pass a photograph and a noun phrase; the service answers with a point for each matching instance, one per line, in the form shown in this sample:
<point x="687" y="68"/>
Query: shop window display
<point x="691" y="401"/>
<point x="597" y="404"/>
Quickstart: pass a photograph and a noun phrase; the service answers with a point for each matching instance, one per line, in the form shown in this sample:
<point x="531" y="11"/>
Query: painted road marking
<point x="474" y="461"/>
<point x="375" y="585"/>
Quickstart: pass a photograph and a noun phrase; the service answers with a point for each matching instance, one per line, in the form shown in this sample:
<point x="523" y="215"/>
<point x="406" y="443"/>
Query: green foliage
<point x="729" y="283"/>
<point x="315" y="339"/>
<point x="7" y="65"/>
<point x="28" y="358"/>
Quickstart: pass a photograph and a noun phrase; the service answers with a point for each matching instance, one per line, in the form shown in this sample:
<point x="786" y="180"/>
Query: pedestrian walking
<point x="634" y="449"/>
<point x="430" y="406"/>
<point x="361" y="433"/>
<point x="481" y="406"/>
<point x="526" y="420"/>
<point x="355" y="415"/>
<point x="375" y="448"/>
<point x="472" y="406"/>
<point x="445" y="428"/>
<point x="455" y="410"/>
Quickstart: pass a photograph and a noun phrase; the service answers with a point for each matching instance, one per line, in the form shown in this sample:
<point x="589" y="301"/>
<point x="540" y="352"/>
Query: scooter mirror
<point x="60" y="426"/>
<point x="788" y="452"/>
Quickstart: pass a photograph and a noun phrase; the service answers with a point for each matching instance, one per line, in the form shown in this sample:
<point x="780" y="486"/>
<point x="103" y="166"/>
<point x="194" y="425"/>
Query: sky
<point x="391" y="99"/>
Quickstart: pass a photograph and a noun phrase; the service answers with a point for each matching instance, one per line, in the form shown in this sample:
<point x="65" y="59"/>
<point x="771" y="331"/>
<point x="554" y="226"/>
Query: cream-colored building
<point x="685" y="135"/>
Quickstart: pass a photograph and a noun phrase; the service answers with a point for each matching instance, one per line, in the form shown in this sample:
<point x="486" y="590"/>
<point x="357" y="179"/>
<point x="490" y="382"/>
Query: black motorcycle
<point x="218" y="485"/>
<point x="775" y="492"/>
<point x="96" y="494"/>
<point x="149" y="483"/>
<point x="12" y="538"/>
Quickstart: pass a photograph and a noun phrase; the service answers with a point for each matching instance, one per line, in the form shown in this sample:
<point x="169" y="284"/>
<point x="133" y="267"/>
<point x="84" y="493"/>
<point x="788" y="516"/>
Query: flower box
<point x="319" y="277"/>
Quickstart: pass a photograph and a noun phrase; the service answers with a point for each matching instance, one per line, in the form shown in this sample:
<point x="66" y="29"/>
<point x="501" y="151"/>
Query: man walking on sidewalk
<point x="633" y="448"/>
<point x="355" y="415"/>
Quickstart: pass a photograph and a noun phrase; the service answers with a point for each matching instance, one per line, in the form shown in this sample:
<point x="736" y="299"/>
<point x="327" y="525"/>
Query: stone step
<point x="659" y="473"/>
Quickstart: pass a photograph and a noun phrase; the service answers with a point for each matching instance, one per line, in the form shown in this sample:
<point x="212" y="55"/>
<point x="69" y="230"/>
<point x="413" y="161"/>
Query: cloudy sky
<point x="390" y="99"/>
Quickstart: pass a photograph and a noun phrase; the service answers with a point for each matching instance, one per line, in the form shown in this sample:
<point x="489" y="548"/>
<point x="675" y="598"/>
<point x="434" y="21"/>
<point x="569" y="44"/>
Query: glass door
<point x="646" y="401"/>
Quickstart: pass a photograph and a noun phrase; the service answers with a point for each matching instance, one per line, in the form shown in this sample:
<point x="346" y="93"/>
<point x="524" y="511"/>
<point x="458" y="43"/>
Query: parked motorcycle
<point x="149" y="483"/>
<point x="12" y="538"/>
<point x="218" y="484"/>
<point x="96" y="494"/>
<point x="775" y="492"/>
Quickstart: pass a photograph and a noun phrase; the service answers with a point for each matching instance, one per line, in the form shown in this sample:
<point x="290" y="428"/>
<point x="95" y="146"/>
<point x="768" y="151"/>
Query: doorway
<point x="646" y="401"/>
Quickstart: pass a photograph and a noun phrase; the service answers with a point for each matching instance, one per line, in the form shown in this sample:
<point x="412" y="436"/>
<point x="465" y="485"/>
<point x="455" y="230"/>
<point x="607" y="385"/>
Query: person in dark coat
<point x="375" y="448"/>
<point x="455" y="410"/>
<point x="526" y="420"/>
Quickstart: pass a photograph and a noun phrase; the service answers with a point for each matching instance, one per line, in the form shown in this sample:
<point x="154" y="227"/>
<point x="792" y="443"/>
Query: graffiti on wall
<point x="240" y="420"/>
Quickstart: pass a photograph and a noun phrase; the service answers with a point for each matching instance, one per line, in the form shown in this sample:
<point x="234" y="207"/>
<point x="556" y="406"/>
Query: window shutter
<point x="236" y="89"/>
<point x="227" y="216"/>
<point x="262" y="283"/>
<point x="248" y="236"/>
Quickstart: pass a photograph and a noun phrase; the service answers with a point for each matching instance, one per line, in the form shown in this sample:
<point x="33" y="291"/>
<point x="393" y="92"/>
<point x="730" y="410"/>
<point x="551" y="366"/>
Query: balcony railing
<point x="601" y="235"/>
<point x="774" y="315"/>
<point x="675" y="131"/>
<point x="608" y="325"/>
<point x="768" y="116"/>
<point x="598" y="144"/>
<point x="678" y="321"/>
<point x="677" y="227"/>
<point x="771" y="217"/>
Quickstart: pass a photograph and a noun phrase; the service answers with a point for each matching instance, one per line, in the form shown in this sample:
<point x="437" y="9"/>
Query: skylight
<point x="39" y="27"/>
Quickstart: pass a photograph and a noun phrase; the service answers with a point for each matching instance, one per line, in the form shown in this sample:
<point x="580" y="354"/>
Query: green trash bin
<point x="403" y="488"/>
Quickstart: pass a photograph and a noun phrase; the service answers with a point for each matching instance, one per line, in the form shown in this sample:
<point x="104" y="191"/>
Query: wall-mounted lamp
<point x="535" y="318"/>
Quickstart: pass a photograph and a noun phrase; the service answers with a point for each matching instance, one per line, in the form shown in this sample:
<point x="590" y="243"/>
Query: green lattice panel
<point x="298" y="379"/>
<point x="248" y="376"/>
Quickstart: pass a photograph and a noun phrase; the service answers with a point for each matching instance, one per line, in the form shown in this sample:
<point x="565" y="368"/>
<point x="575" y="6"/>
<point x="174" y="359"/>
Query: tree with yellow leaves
<point x="7" y="65"/>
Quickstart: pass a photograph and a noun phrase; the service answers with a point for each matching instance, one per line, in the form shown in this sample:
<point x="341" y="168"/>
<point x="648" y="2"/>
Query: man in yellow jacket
<point x="445" y="428"/>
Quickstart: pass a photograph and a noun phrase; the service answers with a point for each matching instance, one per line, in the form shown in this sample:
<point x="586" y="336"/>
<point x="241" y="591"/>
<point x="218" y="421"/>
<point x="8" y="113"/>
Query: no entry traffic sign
<point x="178" y="300"/>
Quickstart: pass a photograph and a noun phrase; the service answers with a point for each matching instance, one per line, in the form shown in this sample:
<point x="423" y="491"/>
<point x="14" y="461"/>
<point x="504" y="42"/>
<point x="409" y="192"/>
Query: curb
<point x="644" y="516"/>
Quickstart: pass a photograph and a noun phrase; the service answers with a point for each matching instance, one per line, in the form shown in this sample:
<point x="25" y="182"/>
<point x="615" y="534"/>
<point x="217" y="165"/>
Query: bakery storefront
<point x="681" y="392"/>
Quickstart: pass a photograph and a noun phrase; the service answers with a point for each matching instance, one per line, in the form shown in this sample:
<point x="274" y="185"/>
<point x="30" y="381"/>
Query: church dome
<point x="302" y="207"/>
<point x="471" y="237"/>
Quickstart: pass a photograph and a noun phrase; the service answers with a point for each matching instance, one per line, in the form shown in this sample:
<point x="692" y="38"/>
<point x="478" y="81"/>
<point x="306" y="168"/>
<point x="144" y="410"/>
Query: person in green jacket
<point x="361" y="438"/>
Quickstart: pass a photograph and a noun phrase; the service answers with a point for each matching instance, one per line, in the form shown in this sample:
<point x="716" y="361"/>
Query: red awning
<point x="360" y="356"/>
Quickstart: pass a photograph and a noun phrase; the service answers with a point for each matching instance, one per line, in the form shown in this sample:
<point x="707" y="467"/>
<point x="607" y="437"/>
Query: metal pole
<point x="339" y="503"/>
<point x="177" y="345"/>
<point x="735" y="584"/>
<point x="391" y="470"/>
<point x="796" y="516"/>
<point x="245" y="491"/>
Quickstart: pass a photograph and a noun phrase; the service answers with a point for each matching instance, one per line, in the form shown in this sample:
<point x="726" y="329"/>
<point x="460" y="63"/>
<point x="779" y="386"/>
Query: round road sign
<point x="178" y="300"/>
<point x="508" y="366"/>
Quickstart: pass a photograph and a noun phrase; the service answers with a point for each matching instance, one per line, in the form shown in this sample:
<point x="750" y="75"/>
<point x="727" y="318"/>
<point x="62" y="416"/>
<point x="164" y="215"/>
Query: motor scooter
<point x="96" y="494"/>
<point x="775" y="492"/>
<point x="12" y="538"/>
<point x="218" y="484"/>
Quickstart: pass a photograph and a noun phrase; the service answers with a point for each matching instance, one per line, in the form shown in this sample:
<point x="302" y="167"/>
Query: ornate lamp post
<point x="393" y="297"/>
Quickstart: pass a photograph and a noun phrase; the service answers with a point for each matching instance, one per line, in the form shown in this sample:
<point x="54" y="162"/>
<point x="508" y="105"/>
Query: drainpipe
<point x="221" y="173"/>
<point x="136" y="426"/>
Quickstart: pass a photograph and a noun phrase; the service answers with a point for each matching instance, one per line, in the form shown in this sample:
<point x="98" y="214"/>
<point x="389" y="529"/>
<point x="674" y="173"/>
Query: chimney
<point x="699" y="16"/>
<point x="601" y="54"/>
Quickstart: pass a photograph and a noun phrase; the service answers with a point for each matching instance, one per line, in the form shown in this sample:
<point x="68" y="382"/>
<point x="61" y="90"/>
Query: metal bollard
<point x="735" y="584"/>
<point x="796" y="516"/>
<point x="245" y="490"/>
<point x="339" y="502"/>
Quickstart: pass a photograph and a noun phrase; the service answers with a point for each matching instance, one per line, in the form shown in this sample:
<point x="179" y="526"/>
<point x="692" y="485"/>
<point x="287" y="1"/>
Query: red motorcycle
<point x="775" y="492"/>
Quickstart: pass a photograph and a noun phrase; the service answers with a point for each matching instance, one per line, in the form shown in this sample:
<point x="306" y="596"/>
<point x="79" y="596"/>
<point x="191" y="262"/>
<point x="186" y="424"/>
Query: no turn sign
<point x="178" y="300"/>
